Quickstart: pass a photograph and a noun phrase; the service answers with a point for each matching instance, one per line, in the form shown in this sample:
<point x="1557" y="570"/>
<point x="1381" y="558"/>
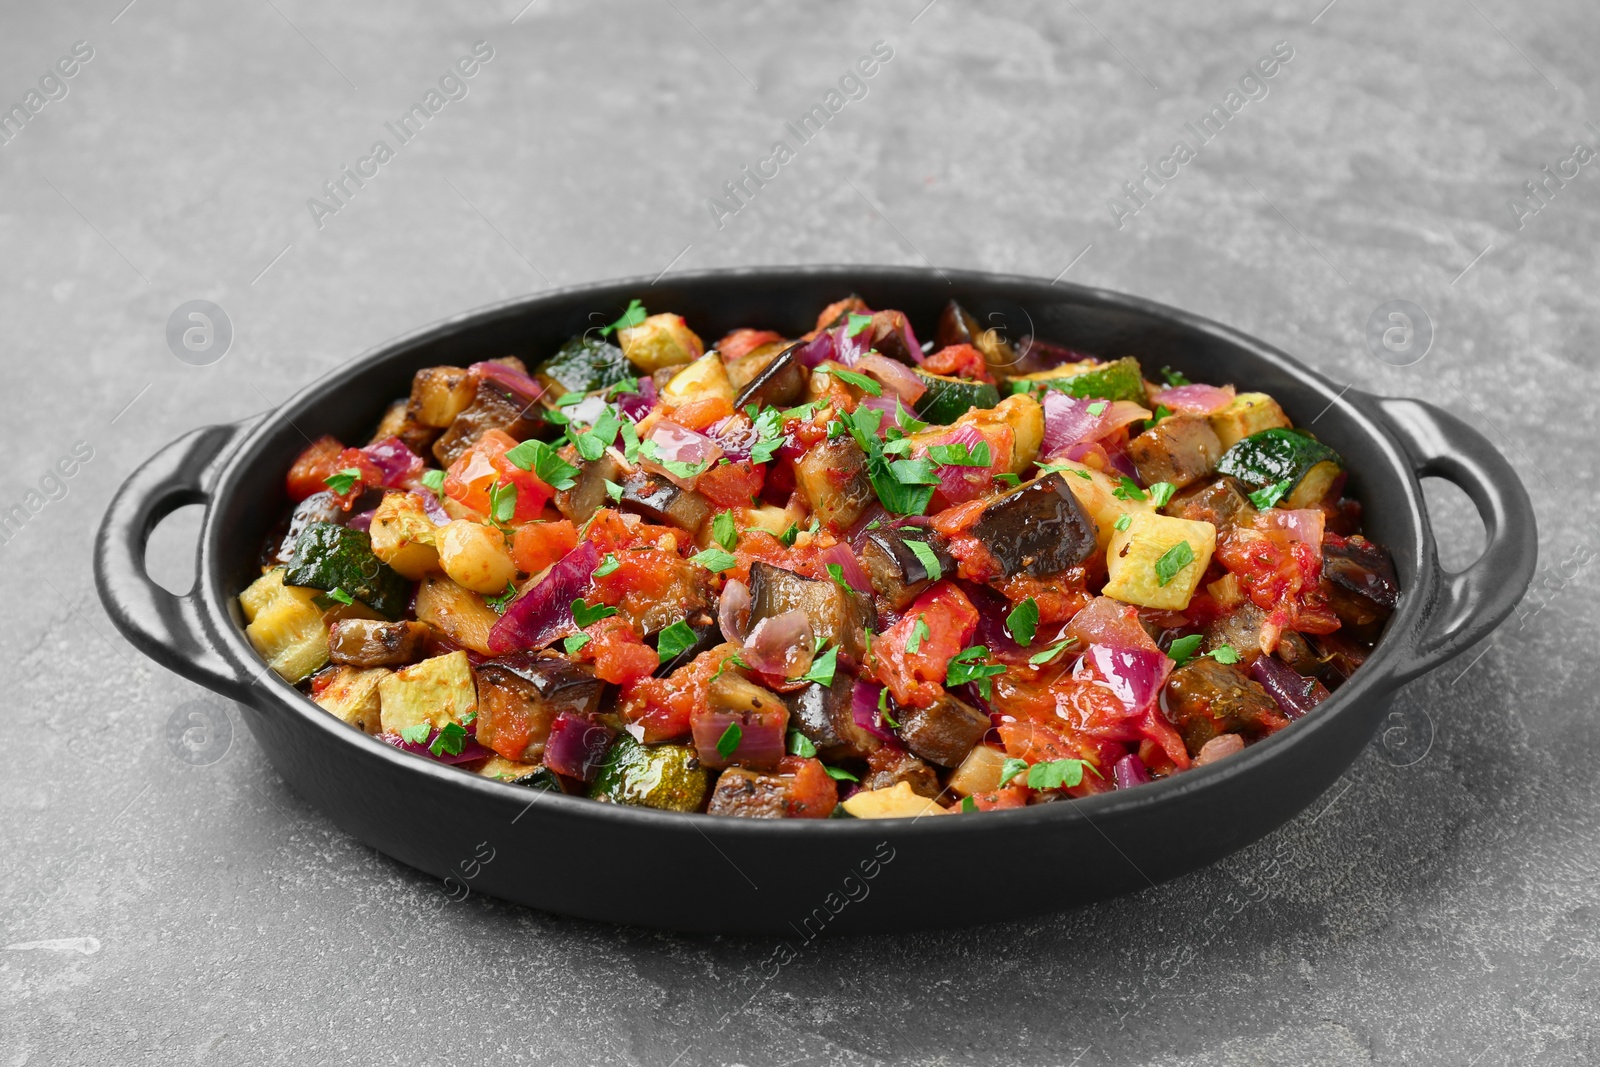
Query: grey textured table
<point x="1438" y="906"/>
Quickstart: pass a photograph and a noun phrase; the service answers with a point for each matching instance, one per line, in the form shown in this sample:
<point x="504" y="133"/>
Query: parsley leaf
<point x="714" y="560"/>
<point x="1225" y="654"/>
<point x="927" y="557"/>
<point x="1057" y="774"/>
<point x="883" y="709"/>
<point x="1161" y="493"/>
<point x="732" y="660"/>
<point x="1173" y="378"/>
<point x="585" y="615"/>
<point x="839" y="774"/>
<point x="341" y="481"/>
<point x="836" y="572"/>
<point x="434" y="479"/>
<point x="1269" y="495"/>
<point x="914" y="472"/>
<point x="614" y="491"/>
<point x="723" y="531"/>
<point x="728" y="743"/>
<point x="607" y="565"/>
<point x="630" y="442"/>
<point x="969" y="665"/>
<point x="341" y="596"/>
<point x="593" y="445"/>
<point x="1098" y="408"/>
<point x="1010" y="769"/>
<point x="960" y="454"/>
<point x="1172" y="561"/>
<point x="1007" y="478"/>
<point x="1124" y="521"/>
<point x="1183" y="649"/>
<point x="675" y="640"/>
<point x="895" y="495"/>
<point x="822" y="668"/>
<point x="968" y="805"/>
<point x="452" y="738"/>
<point x="788" y="536"/>
<point x="1039" y="659"/>
<point x="919" y="630"/>
<point x="800" y="745"/>
<point x="770" y="436"/>
<point x="542" y="460"/>
<point x="856" y="323"/>
<point x="860" y="381"/>
<point x="1023" y="622"/>
<point x="574" y="643"/>
<point x="499" y="601"/>
<point x="502" y="503"/>
<point x="905" y="420"/>
<point x="1128" y="489"/>
<point x="416" y="735"/>
<point x="631" y="317"/>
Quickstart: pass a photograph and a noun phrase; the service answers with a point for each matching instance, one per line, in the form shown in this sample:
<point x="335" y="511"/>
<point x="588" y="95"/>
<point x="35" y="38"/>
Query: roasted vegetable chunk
<point x="660" y="501"/>
<point x="369" y="643"/>
<point x="439" y="394"/>
<point x="584" y="364"/>
<point x="521" y="694"/>
<point x="779" y="384"/>
<point x="491" y="409"/>
<point x="833" y="478"/>
<point x="1221" y="503"/>
<point x="1181" y="450"/>
<point x="897" y="571"/>
<point x="1206" y="698"/>
<point x="750" y="795"/>
<point x="668" y="777"/>
<point x="589" y="492"/>
<point x="889" y="767"/>
<point x="331" y="557"/>
<point x="836" y="616"/>
<point x="1039" y="529"/>
<point x="352" y="695"/>
<point x="824" y="714"/>
<point x="943" y="733"/>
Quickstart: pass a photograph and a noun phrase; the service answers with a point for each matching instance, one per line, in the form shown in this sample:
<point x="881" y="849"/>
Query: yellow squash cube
<point x="1148" y="564"/>
<point x="436" y="691"/>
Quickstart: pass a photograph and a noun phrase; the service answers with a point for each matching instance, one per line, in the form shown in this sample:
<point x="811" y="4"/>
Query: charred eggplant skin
<point x="780" y="383"/>
<point x="896" y="571"/>
<point x="588" y="492"/>
<point x="1039" y="529"/>
<point x="943" y="733"/>
<point x="1205" y="698"/>
<point x="659" y="501"/>
<point x="836" y="616"/>
<point x="707" y="635"/>
<point x="823" y="714"/>
<point x="567" y="685"/>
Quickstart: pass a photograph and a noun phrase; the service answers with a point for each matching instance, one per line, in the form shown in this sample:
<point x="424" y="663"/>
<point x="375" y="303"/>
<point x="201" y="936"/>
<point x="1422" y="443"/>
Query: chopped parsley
<point x="822" y="668"/>
<point x="1039" y="659"/>
<point x="434" y="479"/>
<point x="1098" y="407"/>
<point x="1007" y="478"/>
<point x="1172" y="561"/>
<point x="860" y="381"/>
<point x="607" y="565"/>
<point x="969" y="665"/>
<point x="592" y="445"/>
<point x="451" y="739"/>
<point x="968" y="805"/>
<point x="927" y="557"/>
<point x="574" y="643"/>
<point x="631" y="317"/>
<point x="914" y="472"/>
<point x="800" y="745"/>
<point x="1010" y="769"/>
<point x="341" y="481"/>
<point x="1124" y="521"/>
<point x="499" y="601"/>
<point x="542" y="460"/>
<point x="1183" y="649"/>
<point x="1225" y="654"/>
<point x="919" y="630"/>
<point x="856" y="323"/>
<point x="416" y="735"/>
<point x="728" y="743"/>
<point x="905" y="420"/>
<point x="502" y="503"/>
<point x="883" y="708"/>
<point x="1269" y="495"/>
<point x="675" y="640"/>
<point x="630" y="442"/>
<point x="788" y="536"/>
<point x="770" y="436"/>
<point x="732" y="660"/>
<point x="1173" y="378"/>
<point x="723" y="531"/>
<point x="839" y="774"/>
<point x="614" y="491"/>
<point x="1058" y="773"/>
<point x="1161" y="493"/>
<point x="1128" y="489"/>
<point x="1023" y="622"/>
<point x="894" y="493"/>
<point x="836" y="572"/>
<point x="960" y="454"/>
<point x="714" y="560"/>
<point x="586" y="615"/>
<point x="341" y="596"/>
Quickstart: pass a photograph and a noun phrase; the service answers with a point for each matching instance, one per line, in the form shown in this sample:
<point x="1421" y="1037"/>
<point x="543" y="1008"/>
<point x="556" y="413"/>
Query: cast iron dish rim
<point x="1377" y="675"/>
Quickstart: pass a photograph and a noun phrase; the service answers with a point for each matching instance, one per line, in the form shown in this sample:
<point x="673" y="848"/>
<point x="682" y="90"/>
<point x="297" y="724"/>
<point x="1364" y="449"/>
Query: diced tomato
<point x="1012" y="796"/>
<point x="954" y="520"/>
<point x="742" y="342"/>
<point x="313" y="466"/>
<point x="662" y="706"/>
<point x="483" y="466"/>
<point x="368" y="475"/>
<point x="610" y="531"/>
<point x="758" y="544"/>
<point x="732" y="485"/>
<point x="917" y="678"/>
<point x="838" y="309"/>
<point x="958" y="361"/>
<point x="699" y="415"/>
<point x="1110" y="622"/>
<point x="974" y="561"/>
<point x="1279" y="575"/>
<point x="1059" y="597"/>
<point x="812" y="793"/>
<point x="536" y="545"/>
<point x="620" y="657"/>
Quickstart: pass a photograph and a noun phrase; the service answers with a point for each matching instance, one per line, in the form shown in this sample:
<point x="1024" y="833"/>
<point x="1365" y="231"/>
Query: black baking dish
<point x="699" y="872"/>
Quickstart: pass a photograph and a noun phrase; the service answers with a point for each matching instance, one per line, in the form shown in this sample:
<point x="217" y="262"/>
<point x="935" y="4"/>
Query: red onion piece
<point x="1070" y="421"/>
<point x="470" y="748"/>
<point x="576" y="746"/>
<point x="679" y="444"/>
<point x="637" y="405"/>
<point x="864" y="710"/>
<point x="1135" y="675"/>
<point x="733" y="611"/>
<point x="1110" y="622"/>
<point x="957" y="483"/>
<point x="895" y="376"/>
<point x="431" y="505"/>
<point x="889" y="404"/>
<point x="857" y="534"/>
<point x="855" y="576"/>
<point x="399" y="465"/>
<point x="1129" y="771"/>
<point x="1218" y="747"/>
<point x="761" y="736"/>
<point x="1304" y="525"/>
<point x="510" y="380"/>
<point x="1195" y="399"/>
<point x="1117" y="462"/>
<point x="1295" y="693"/>
<point x="544" y="612"/>
<point x="780" y="645"/>
<point x="361" y="520"/>
<point x="992" y="611"/>
<point x="736" y="435"/>
<point x="816" y="350"/>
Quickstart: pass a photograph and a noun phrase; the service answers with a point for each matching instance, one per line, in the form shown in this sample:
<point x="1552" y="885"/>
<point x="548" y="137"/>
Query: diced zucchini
<point x="439" y="394"/>
<point x="1249" y="413"/>
<point x="980" y="772"/>
<point x="1141" y="570"/>
<point x="947" y="398"/>
<point x="1025" y="418"/>
<point x="668" y="777"/>
<point x="660" y="341"/>
<point x="352" y="696"/>
<point x="896" y="802"/>
<point x="336" y="557"/>
<point x="704" y="378"/>
<point x="584" y="364"/>
<point x="1096" y="491"/>
<point x="1275" y="455"/>
<point x="1120" y="379"/>
<point x="404" y="537"/>
<point x="505" y="770"/>
<point x="436" y="691"/>
<point x="286" y="626"/>
<point x="1179" y="450"/>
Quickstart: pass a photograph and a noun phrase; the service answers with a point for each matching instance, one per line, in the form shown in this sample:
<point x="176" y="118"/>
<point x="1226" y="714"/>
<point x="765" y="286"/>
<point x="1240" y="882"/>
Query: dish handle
<point x="1468" y="604"/>
<point x="166" y="627"/>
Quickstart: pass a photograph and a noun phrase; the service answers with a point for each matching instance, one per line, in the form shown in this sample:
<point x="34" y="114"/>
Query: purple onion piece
<point x="1295" y="693"/>
<point x="576" y="746"/>
<point x="850" y="569"/>
<point x="544" y="612"/>
<point x="1135" y="675"/>
<point x="733" y="611"/>
<point x="509" y="380"/>
<point x="398" y="463"/>
<point x="864" y="710"/>
<point x="471" y="750"/>
<point x="430" y="504"/>
<point x="1129" y="771"/>
<point x="361" y="521"/>
<point x="819" y="348"/>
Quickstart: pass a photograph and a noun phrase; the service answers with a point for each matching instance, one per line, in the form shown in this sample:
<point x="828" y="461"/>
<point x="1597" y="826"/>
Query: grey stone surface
<point x="1437" y="906"/>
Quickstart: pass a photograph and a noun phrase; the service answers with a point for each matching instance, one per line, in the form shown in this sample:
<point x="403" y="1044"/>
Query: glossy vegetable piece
<point x="336" y="557"/>
<point x="459" y="614"/>
<point x="823" y="713"/>
<point x="750" y="795"/>
<point x="589" y="492"/>
<point x="1247" y="414"/>
<point x="897" y="801"/>
<point x="666" y="777"/>
<point x="543" y="613"/>
<point x="660" y="501"/>
<point x="660" y="341"/>
<point x="1038" y="529"/>
<point x="957" y="326"/>
<point x="1218" y="502"/>
<point x="979" y="772"/>
<point x="585" y="364"/>
<point x="780" y="383"/>
<point x="707" y="635"/>
<point x="493" y="407"/>
<point x="435" y="692"/>
<point x="1294" y="693"/>
<point x="1361" y="574"/>
<point x="1180" y="449"/>
<point x="369" y="643"/>
<point x="832" y="477"/>
<point x="476" y="556"/>
<point x="439" y="394"/>
<point x="889" y="766"/>
<point x="1145" y="562"/>
<point x="895" y="569"/>
<point x="1097" y="492"/>
<point x="944" y="733"/>
<point x="744" y="719"/>
<point x="318" y="507"/>
<point x="1271" y="456"/>
<point x="520" y="695"/>
<point x="837" y="617"/>
<point x="1120" y="379"/>
<point x="398" y="423"/>
<point x="351" y="695"/>
<point x="947" y="398"/>
<point x="577" y="746"/>
<point x="404" y="536"/>
<point x="1205" y="698"/>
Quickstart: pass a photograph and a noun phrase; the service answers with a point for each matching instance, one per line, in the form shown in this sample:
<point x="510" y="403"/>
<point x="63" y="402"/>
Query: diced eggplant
<point x="520" y="695"/>
<point x="897" y="572"/>
<point x="1364" y="569"/>
<point x="1181" y="450"/>
<point x="957" y="326"/>
<point x="660" y="501"/>
<point x="887" y="767"/>
<point x="1240" y="629"/>
<point x="832" y="476"/>
<point x="1205" y="698"/>
<point x="749" y="795"/>
<point x="1039" y="529"/>
<point x="943" y="733"/>
<point x="366" y="643"/>
<point x="318" y="507"/>
<point x="491" y="409"/>
<point x="707" y="635"/>
<point x="588" y="493"/>
<point x="889" y="340"/>
<point x="836" y="616"/>
<point x="1221" y="503"/>
<point x="439" y="394"/>
<point x="779" y="384"/>
<point x="824" y="714"/>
